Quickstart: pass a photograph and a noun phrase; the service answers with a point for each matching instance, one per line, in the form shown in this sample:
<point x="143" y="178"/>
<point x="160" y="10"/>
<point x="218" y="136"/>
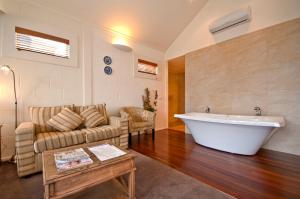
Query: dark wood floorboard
<point x="268" y="174"/>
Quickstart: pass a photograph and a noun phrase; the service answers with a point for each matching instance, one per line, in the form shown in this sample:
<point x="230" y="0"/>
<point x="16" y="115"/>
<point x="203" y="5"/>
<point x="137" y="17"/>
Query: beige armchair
<point x="138" y="120"/>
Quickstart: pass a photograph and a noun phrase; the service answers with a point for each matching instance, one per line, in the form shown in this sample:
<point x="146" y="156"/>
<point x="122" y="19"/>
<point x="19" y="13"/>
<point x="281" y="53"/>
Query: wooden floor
<point x="269" y="174"/>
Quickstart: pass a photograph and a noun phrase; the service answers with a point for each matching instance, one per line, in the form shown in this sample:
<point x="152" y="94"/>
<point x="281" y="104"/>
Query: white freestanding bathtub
<point x="231" y="133"/>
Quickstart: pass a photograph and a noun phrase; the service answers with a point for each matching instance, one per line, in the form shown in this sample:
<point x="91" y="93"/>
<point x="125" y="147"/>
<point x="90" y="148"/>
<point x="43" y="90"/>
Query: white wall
<point x="264" y="13"/>
<point x="54" y="83"/>
<point x="123" y="88"/>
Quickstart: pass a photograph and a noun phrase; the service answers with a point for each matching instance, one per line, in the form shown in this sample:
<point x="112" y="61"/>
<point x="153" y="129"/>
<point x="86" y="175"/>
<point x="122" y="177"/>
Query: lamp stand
<point x="7" y="68"/>
<point x="16" y="102"/>
<point x="13" y="158"/>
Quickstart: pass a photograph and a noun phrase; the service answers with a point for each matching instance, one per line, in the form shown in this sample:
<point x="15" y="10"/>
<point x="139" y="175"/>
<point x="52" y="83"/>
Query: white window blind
<point x="38" y="42"/>
<point x="147" y="67"/>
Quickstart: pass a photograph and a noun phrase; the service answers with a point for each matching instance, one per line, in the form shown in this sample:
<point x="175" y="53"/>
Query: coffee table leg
<point x="46" y="193"/>
<point x="131" y="185"/>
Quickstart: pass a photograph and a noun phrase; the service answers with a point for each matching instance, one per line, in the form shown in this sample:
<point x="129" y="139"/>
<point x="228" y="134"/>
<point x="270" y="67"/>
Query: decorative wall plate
<point x="107" y="60"/>
<point x="108" y="70"/>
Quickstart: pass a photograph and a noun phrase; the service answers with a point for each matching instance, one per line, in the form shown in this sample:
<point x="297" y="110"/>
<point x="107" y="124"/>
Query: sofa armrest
<point x="123" y="125"/>
<point x="25" y="136"/>
<point x="149" y="116"/>
<point x="25" y="128"/>
<point x="119" y="122"/>
<point x="125" y="115"/>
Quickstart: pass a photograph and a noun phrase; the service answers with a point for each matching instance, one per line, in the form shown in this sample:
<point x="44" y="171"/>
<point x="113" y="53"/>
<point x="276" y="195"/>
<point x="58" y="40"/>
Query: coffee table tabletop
<point x="61" y="184"/>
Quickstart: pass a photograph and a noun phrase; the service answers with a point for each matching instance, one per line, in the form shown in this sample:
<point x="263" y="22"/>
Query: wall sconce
<point x="121" y="44"/>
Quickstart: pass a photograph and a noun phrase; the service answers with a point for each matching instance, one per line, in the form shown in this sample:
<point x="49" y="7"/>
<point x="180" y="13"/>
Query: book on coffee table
<point x="106" y="151"/>
<point x="71" y="159"/>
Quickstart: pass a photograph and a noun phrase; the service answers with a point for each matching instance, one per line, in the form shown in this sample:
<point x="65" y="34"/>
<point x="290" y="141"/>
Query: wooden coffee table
<point x="61" y="184"/>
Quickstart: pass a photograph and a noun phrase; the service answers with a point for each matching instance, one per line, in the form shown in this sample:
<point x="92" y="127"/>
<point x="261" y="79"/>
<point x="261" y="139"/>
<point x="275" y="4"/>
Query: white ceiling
<point x="155" y="23"/>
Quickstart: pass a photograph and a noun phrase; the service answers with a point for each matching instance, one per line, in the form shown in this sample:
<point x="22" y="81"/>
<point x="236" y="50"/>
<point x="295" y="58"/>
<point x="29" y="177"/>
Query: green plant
<point x="147" y="101"/>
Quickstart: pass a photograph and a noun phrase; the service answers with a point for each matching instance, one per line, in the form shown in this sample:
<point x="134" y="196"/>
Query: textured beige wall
<point x="258" y="69"/>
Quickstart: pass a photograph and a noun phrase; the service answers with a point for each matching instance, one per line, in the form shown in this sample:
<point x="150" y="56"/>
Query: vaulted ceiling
<point x="155" y="23"/>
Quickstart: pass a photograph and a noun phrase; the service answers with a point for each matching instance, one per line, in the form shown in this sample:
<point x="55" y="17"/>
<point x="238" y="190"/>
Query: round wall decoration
<point x="107" y="60"/>
<point x="108" y="70"/>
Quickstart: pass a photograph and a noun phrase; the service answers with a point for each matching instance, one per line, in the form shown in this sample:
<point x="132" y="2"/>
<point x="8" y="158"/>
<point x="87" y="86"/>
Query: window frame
<point x="149" y="60"/>
<point x="147" y="63"/>
<point x="29" y="32"/>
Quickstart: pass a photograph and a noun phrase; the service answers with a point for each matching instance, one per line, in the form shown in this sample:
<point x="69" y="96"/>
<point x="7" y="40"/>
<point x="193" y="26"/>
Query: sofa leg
<point x="153" y="134"/>
<point x="129" y="139"/>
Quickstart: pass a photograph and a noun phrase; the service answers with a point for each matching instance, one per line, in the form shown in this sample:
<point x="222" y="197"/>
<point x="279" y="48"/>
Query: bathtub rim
<point x="279" y="121"/>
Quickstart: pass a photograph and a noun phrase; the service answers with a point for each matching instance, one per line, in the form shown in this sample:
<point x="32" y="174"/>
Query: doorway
<point x="176" y="92"/>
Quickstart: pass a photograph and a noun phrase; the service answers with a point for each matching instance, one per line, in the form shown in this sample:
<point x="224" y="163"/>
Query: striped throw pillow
<point x="92" y="117"/>
<point x="40" y="115"/>
<point x="66" y="120"/>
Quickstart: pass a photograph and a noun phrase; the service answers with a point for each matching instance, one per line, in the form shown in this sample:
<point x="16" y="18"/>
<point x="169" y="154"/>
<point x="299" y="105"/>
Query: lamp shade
<point x="121" y="43"/>
<point x="122" y="47"/>
<point x="5" y="69"/>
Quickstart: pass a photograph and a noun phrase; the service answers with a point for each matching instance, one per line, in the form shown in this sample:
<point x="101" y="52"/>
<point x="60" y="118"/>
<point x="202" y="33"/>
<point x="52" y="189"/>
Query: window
<point x="147" y="67"/>
<point x="38" y="42"/>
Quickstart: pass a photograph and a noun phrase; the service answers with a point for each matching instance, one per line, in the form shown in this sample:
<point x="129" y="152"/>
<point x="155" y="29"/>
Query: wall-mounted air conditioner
<point x="235" y="18"/>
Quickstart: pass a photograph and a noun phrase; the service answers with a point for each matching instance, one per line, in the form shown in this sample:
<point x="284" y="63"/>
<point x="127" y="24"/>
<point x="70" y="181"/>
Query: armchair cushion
<point x="135" y="114"/>
<point x="66" y="120"/>
<point x="92" y="117"/>
<point x="139" y="125"/>
<point x="40" y="115"/>
<point x="55" y="140"/>
<point x="101" y="133"/>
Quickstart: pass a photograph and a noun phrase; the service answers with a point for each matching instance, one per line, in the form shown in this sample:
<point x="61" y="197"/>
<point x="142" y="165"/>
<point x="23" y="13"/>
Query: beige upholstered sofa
<point x="138" y="120"/>
<point x="32" y="138"/>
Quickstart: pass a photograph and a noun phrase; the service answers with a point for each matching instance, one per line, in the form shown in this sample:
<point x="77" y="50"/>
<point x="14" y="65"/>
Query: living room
<point x="114" y="56"/>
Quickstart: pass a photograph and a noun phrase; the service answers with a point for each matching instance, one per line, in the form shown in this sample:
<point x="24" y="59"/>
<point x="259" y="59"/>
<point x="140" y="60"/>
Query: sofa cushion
<point x="55" y="140"/>
<point x="101" y="133"/>
<point x="100" y="107"/>
<point x="66" y="120"/>
<point x="92" y="117"/>
<point x="40" y="115"/>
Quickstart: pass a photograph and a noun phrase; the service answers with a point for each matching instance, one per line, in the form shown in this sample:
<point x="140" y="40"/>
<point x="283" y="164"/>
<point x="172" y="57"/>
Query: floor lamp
<point x="6" y="68"/>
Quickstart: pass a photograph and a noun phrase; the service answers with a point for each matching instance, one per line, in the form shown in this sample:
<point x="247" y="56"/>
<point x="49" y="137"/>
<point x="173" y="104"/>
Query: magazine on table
<point x="106" y="151"/>
<point x="71" y="159"/>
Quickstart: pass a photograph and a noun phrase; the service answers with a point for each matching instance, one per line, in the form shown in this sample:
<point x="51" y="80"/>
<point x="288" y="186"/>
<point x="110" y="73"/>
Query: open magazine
<point x="71" y="159"/>
<point x="106" y="151"/>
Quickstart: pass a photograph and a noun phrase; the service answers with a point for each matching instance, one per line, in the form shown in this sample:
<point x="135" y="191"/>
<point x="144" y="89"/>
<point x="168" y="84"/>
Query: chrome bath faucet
<point x="257" y="111"/>
<point x="207" y="110"/>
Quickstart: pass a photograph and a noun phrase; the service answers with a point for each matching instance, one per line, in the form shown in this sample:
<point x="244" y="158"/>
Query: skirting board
<point x="5" y="158"/>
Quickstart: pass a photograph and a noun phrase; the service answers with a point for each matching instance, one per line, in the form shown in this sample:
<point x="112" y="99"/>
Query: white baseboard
<point x="5" y="158"/>
<point x="159" y="129"/>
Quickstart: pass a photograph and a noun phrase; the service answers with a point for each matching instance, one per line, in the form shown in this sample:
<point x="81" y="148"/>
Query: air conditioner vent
<point x="233" y="19"/>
